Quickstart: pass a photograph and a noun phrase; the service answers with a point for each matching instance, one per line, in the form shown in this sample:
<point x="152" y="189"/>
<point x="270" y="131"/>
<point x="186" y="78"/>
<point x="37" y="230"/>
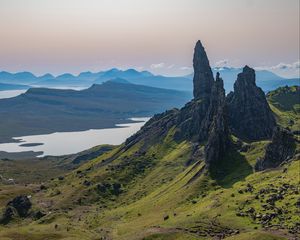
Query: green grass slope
<point x="285" y="103"/>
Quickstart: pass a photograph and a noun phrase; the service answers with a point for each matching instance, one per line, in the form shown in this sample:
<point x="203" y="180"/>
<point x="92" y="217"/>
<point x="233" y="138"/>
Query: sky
<point x="73" y="36"/>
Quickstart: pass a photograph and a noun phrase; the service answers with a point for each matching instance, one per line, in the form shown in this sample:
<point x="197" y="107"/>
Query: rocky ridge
<point x="211" y="116"/>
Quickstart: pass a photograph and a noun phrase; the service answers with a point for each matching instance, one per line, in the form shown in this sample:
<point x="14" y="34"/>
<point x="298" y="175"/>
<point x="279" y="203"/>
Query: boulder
<point x="21" y="204"/>
<point x="18" y="207"/>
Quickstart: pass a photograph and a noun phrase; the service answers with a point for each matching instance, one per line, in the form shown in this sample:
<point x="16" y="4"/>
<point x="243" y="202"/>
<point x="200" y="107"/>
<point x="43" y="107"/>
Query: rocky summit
<point x="250" y="116"/>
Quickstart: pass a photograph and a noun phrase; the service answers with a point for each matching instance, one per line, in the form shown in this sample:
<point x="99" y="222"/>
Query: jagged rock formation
<point x="202" y="119"/>
<point x="196" y="117"/>
<point x="18" y="207"/>
<point x="250" y="116"/>
<point x="218" y="140"/>
<point x="210" y="116"/>
<point x="203" y="76"/>
<point x="279" y="150"/>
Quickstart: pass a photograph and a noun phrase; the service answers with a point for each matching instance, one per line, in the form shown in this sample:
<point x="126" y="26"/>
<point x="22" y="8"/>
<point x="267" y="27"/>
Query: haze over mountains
<point x="265" y="79"/>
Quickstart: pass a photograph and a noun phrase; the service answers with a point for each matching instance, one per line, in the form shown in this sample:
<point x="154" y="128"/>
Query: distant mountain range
<point x="42" y="110"/>
<point x="265" y="79"/>
<point x="7" y="86"/>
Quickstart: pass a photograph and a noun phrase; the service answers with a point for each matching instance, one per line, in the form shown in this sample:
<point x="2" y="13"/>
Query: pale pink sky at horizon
<point x="60" y="36"/>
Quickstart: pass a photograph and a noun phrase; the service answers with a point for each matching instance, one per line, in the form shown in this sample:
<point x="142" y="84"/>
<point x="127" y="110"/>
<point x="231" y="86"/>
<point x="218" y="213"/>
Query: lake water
<point x="11" y="93"/>
<point x="61" y="143"/>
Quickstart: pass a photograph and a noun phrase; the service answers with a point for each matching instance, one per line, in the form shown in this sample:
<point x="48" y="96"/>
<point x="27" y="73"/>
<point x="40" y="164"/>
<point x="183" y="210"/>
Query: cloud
<point x="157" y="65"/>
<point x="222" y="63"/>
<point x="185" y="68"/>
<point x="140" y="68"/>
<point x="281" y="66"/>
<point x="287" y="70"/>
<point x="171" y="66"/>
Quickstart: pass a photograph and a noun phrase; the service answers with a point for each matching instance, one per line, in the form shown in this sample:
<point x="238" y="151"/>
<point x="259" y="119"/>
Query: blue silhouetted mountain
<point x="17" y="78"/>
<point x="265" y="79"/>
<point x="47" y="76"/>
<point x="7" y="86"/>
<point x="119" y="80"/>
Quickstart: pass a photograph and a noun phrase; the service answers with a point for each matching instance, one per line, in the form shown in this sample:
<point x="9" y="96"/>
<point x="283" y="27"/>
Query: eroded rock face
<point x="190" y="121"/>
<point x="156" y="128"/>
<point x="203" y="76"/>
<point x="218" y="140"/>
<point x="279" y="150"/>
<point x="250" y="116"/>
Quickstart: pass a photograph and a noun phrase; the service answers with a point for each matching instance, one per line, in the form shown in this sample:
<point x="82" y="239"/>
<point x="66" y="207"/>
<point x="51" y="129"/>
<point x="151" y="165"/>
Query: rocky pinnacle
<point x="203" y="76"/>
<point x="250" y="116"/>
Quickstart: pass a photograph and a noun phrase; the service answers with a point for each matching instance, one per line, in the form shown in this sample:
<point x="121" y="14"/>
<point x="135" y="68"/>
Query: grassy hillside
<point x="285" y="103"/>
<point x="162" y="191"/>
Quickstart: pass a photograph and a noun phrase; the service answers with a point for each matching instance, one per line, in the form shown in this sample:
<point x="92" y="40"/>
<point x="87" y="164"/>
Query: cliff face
<point x="218" y="137"/>
<point x="250" y="116"/>
<point x="279" y="150"/>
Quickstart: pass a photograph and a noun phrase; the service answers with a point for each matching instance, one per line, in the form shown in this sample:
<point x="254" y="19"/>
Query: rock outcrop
<point x="281" y="148"/>
<point x="250" y="116"/>
<point x="203" y="76"/>
<point x="18" y="207"/>
<point x="155" y="129"/>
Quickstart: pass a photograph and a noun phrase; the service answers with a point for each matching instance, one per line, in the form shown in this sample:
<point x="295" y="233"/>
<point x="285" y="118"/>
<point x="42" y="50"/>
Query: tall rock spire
<point x="203" y="76"/>
<point x="250" y="115"/>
